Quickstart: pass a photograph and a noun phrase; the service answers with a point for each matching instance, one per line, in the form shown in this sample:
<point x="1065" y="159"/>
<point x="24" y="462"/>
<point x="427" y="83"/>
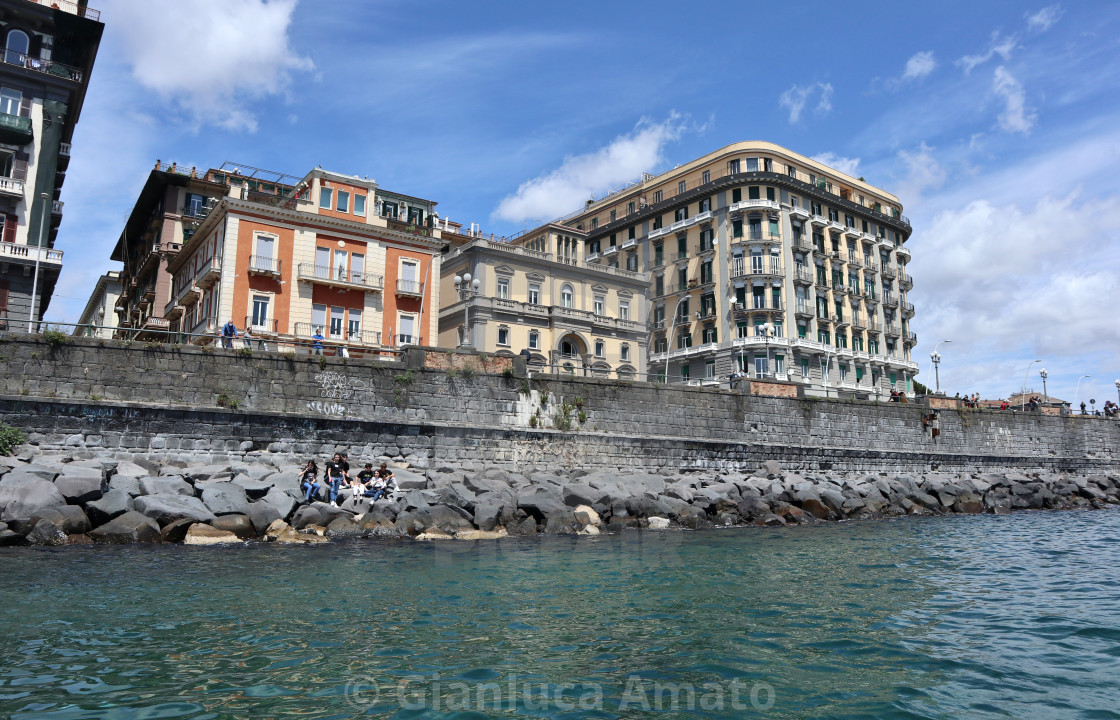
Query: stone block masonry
<point x="170" y="401"/>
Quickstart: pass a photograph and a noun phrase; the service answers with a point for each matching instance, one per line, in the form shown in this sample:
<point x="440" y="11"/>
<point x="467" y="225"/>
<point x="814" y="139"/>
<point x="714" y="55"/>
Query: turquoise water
<point x="956" y="617"/>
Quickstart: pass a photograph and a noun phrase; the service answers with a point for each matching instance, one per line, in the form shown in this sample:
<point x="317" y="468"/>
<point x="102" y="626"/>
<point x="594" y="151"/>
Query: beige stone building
<point x="765" y="262"/>
<point x="537" y="293"/>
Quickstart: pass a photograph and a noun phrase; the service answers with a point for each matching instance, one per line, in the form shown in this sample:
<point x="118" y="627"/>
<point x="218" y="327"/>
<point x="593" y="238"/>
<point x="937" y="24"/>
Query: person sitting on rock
<point x="386" y="483"/>
<point x="362" y="483"/>
<point x="307" y="480"/>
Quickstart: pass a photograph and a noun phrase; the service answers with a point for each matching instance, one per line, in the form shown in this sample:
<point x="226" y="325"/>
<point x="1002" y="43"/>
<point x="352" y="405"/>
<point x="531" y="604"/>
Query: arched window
<point x="568" y="349"/>
<point x="566" y="296"/>
<point x="17" y="47"/>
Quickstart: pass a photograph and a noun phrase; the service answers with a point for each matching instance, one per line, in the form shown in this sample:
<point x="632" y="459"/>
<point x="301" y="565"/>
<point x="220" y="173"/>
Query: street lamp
<point x="467" y="289"/>
<point x="935" y="362"/>
<point x="38" y="254"/>
<point x="1045" y="396"/>
<point x="767" y="330"/>
<point x="1023" y="392"/>
<point x="1118" y="389"/>
<point x="1077" y="392"/>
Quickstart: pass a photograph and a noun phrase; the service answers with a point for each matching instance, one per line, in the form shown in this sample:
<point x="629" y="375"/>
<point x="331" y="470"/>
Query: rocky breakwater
<point x="57" y="499"/>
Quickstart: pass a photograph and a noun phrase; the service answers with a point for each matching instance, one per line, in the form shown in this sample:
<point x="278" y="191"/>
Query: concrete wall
<point x="168" y="400"/>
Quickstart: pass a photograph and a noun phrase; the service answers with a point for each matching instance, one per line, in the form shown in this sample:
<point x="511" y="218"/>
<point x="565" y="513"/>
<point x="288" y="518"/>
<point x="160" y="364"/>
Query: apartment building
<point x="332" y="253"/>
<point x="765" y="262"/>
<point x="49" y="50"/>
<point x="536" y="293"/>
<point x="98" y="318"/>
<point x="172" y="203"/>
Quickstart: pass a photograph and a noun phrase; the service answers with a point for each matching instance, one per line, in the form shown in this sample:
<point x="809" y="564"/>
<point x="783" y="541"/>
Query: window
<point x="706" y="237"/>
<point x="659" y="285"/>
<point x="630" y="210"/>
<point x="770" y="193"/>
<point x="503" y="288"/>
<point x="657" y="196"/>
<point x="685" y="373"/>
<point x="534" y="340"/>
<point x="737" y="228"/>
<point x="260" y="312"/>
<point x="710" y="335"/>
<point x="681" y="187"/>
<point x="354" y="324"/>
<point x="318" y="317"/>
<point x="594" y="223"/>
<point x="409" y="274"/>
<point x="17" y="47"/>
<point x="343" y="201"/>
<point x="9" y="101"/>
<point x="389" y="209"/>
<point x="534" y="294"/>
<point x="705" y="205"/>
<point x="658" y="254"/>
<point x="791" y="171"/>
<point x="337" y="316"/>
<point x="804" y="367"/>
<point x="706" y="271"/>
<point x="266" y="252"/>
<point x="684" y="340"/>
<point x="407" y="325"/>
<point x="326" y="195"/>
<point x="360" y="205"/>
<point x="503" y="336"/>
<point x="631" y="233"/>
<point x="566" y="296"/>
<point x="600" y="348"/>
<point x="710" y="369"/>
<point x="753" y="193"/>
<point x="680" y="214"/>
<point x="760" y="364"/>
<point x="733" y="167"/>
<point x="624" y="352"/>
<point x="599" y="302"/>
<point x="705" y="177"/>
<point x="613" y="215"/>
<point x="736" y="195"/>
<point x="632" y="262"/>
<point x="752" y="164"/>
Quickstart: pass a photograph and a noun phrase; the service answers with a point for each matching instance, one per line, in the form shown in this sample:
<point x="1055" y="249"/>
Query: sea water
<point x="952" y="617"/>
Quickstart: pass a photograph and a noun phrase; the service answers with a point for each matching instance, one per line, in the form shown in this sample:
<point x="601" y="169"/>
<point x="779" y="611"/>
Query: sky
<point x="997" y="124"/>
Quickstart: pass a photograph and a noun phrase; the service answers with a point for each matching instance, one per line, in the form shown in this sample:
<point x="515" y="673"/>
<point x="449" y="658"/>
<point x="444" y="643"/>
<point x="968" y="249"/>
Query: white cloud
<point x="919" y="66"/>
<point x="846" y="165"/>
<point x="923" y="172"/>
<point x="1015" y="116"/>
<point x="1002" y="46"/>
<point x="1045" y="18"/>
<point x="211" y="58"/>
<point x="797" y="97"/>
<point x="583" y="176"/>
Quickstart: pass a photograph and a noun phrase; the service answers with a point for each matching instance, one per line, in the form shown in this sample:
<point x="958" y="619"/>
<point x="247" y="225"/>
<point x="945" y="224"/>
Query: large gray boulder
<point x="486" y="516"/>
<point x="167" y="508"/>
<point x="166" y="485"/>
<point x="126" y="484"/>
<point x="240" y="525"/>
<point x="130" y="469"/>
<point x="284" y="503"/>
<point x="109" y="506"/>
<point x="128" y="528"/>
<point x="20" y="501"/>
<point x="408" y="480"/>
<point x="46" y="532"/>
<point x="541" y="501"/>
<point x="262" y="514"/>
<point x="288" y="482"/>
<point x="493" y="480"/>
<point x="307" y="515"/>
<point x="343" y="528"/>
<point x="40" y="470"/>
<point x="226" y="499"/>
<point x="68" y="518"/>
<point x="208" y="472"/>
<point x="79" y="485"/>
<point x="255" y="488"/>
<point x="576" y="494"/>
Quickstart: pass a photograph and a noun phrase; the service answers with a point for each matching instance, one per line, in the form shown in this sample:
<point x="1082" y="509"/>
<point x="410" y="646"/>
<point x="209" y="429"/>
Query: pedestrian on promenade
<point x="247" y="336"/>
<point x="229" y="332"/>
<point x="317" y="345"/>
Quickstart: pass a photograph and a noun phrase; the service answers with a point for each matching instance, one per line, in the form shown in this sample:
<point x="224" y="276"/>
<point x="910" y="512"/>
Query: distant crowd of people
<point x="379" y="484"/>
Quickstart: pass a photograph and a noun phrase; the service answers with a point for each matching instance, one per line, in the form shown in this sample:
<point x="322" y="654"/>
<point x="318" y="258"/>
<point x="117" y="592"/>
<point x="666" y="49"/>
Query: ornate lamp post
<point x="935" y="362"/>
<point x="767" y="331"/>
<point x="1045" y="396"/>
<point x="1023" y="392"/>
<point x="467" y="289"/>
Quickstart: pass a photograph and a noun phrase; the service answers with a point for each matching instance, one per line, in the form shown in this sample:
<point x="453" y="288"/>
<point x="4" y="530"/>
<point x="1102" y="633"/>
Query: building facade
<point x="171" y="204"/>
<point x="765" y="262"/>
<point x="49" y="49"/>
<point x="537" y="294"/>
<point x="99" y="317"/>
<point x="333" y="254"/>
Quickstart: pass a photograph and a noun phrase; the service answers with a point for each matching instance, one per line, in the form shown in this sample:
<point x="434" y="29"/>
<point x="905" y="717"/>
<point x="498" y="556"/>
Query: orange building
<point x="334" y="253"/>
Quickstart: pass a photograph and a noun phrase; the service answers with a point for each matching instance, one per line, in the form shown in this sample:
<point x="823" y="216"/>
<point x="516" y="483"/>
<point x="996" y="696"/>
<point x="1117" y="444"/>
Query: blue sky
<point x="996" y="123"/>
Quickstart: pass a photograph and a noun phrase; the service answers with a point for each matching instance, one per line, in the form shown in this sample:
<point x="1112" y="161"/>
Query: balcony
<point x="858" y="322"/>
<point x="15" y="130"/>
<point x="756" y="267"/>
<point x="209" y="273"/>
<point x="873" y="326"/>
<point x="804" y="310"/>
<point x="682" y="320"/>
<point x="818" y="220"/>
<point x="681" y="224"/>
<point x="799" y="212"/>
<point x="706" y="314"/>
<point x="888" y="272"/>
<point x="869" y="266"/>
<point x="840" y="289"/>
<point x="592" y="256"/>
<point x="610" y="250"/>
<point x="684" y="352"/>
<point x="260" y="325"/>
<point x="371" y="338"/>
<point x="740" y="308"/>
<point x="47" y="67"/>
<point x="839" y="321"/>
<point x="836" y="258"/>
<point x="655" y="325"/>
<point x="74" y="8"/>
<point x="205" y="326"/>
<point x="903" y="253"/>
<point x="678" y="257"/>
<point x="410" y="289"/>
<point x="155" y="323"/>
<point x="755" y="204"/>
<point x="802" y="275"/>
<point x="852" y="232"/>
<point x="836" y="226"/>
<point x="824" y="319"/>
<point x="264" y="265"/>
<point x="760" y="341"/>
<point x="854" y="262"/>
<point x="810" y="346"/>
<point x="908" y="310"/>
<point x="325" y="275"/>
<point x="629" y="244"/>
<point x="8" y="186"/>
<point x="802" y="243"/>
<point x="890" y="300"/>
<point x="892" y="330"/>
<point x="29" y="253"/>
<point x="905" y="281"/>
<point x="171" y="312"/>
<point x="910" y="338"/>
<point x="871" y="298"/>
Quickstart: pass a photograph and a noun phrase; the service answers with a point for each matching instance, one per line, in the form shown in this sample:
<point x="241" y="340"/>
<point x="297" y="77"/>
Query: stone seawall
<point x="131" y="400"/>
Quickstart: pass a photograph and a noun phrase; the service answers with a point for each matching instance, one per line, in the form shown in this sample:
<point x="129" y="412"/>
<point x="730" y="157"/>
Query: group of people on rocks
<point x="366" y="483"/>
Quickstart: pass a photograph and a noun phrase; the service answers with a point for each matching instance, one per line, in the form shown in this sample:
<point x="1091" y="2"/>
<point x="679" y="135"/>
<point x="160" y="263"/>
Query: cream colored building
<point x="538" y="294"/>
<point x="765" y="262"/>
<point x="98" y="319"/>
